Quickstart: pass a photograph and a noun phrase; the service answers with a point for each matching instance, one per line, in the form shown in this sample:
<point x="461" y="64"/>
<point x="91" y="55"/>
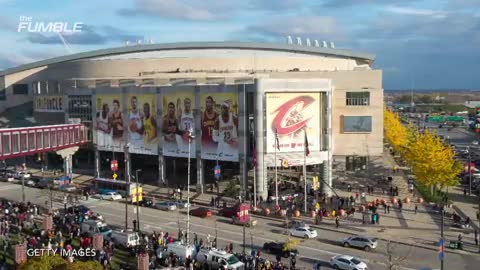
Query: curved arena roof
<point x="98" y="54"/>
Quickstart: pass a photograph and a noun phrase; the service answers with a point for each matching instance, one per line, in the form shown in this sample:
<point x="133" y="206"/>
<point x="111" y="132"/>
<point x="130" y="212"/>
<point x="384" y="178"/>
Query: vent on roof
<point x="308" y="43"/>
<point x="299" y="41"/>
<point x="316" y="43"/>
<point x="332" y="45"/>
<point x="289" y="40"/>
<point x="324" y="44"/>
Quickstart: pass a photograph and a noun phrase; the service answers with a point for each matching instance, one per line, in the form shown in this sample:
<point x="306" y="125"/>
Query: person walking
<point x="337" y="221"/>
<point x="416" y="208"/>
<point x="464" y="192"/>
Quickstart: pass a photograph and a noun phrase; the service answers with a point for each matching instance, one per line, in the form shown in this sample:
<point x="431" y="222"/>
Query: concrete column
<point x="261" y="169"/>
<point x="97" y="162"/>
<point x="200" y="184"/>
<point x="242" y="134"/>
<point x="161" y="158"/>
<point x="327" y="165"/>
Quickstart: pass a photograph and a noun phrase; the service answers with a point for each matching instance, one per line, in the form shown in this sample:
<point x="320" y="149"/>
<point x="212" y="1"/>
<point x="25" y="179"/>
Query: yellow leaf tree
<point x="395" y="132"/>
<point x="432" y="161"/>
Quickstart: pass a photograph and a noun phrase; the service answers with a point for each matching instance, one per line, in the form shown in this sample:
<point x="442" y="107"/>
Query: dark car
<point x="277" y="249"/>
<point x="80" y="209"/>
<point x="201" y="212"/>
<point x="146" y="202"/>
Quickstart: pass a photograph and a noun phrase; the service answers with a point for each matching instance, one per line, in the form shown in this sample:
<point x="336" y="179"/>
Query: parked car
<point x="201" y="212"/>
<point x="125" y="238"/>
<point x="219" y="259"/>
<point x="276" y="248"/>
<point x="181" y="204"/>
<point x="304" y="232"/>
<point x="113" y="196"/>
<point x="346" y="262"/>
<point x="363" y="242"/>
<point x="166" y="206"/>
<point x="19" y="175"/>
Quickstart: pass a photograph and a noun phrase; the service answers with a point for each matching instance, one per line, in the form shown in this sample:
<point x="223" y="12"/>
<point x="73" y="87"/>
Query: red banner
<point x="142" y="261"/>
<point x="98" y="241"/>
<point x="48" y="222"/>
<point x="20" y="253"/>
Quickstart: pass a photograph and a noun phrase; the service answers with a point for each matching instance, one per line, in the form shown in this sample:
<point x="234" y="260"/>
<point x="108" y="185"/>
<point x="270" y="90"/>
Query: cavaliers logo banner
<point x="291" y="114"/>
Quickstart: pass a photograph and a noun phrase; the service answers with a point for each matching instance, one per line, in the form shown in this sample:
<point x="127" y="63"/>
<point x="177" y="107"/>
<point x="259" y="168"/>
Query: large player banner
<point x="219" y="120"/>
<point x="178" y="121"/>
<point x="108" y="123"/>
<point x="290" y="114"/>
<point x="142" y="123"/>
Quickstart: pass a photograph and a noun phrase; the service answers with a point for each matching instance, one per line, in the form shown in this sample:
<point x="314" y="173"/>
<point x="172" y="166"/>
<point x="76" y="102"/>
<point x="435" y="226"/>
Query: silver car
<point x="364" y="242"/>
<point x="166" y="206"/>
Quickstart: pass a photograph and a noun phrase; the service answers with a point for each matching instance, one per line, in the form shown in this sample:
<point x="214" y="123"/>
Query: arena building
<point x="235" y="97"/>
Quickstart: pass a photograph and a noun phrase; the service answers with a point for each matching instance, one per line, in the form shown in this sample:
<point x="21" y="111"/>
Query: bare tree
<point x="394" y="258"/>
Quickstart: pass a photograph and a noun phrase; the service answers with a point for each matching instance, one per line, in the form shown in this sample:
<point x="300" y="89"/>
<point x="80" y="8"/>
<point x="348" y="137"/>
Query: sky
<point x="419" y="44"/>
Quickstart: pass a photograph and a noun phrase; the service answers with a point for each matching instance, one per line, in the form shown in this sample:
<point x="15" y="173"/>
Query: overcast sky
<point x="420" y="44"/>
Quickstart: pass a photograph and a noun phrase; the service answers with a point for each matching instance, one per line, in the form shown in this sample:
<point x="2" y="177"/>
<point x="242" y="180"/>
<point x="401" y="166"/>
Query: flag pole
<point x="254" y="178"/>
<point x="275" y="163"/>
<point x="305" y="169"/>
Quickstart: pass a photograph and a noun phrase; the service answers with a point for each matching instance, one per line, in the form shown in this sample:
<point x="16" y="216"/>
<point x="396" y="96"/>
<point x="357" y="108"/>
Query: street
<point x="313" y="250"/>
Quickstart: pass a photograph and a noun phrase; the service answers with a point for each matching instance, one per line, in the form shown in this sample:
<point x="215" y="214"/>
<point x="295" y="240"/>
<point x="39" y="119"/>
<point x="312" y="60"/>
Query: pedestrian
<point x="416" y="208"/>
<point x="476" y="237"/>
<point x="337" y="221"/>
<point x="388" y="208"/>
<point x="464" y="192"/>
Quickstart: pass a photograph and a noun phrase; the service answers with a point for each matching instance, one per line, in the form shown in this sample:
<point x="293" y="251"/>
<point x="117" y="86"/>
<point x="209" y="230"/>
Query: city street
<point x="312" y="250"/>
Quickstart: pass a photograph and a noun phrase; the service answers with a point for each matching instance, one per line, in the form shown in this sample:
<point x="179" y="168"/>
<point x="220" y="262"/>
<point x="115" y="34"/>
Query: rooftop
<point x="317" y="51"/>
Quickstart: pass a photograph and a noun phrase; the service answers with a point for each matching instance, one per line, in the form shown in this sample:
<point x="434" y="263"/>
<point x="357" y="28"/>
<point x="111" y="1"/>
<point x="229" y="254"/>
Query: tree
<point x="432" y="161"/>
<point x="395" y="132"/>
<point x="45" y="262"/>
<point x="88" y="265"/>
<point x="232" y="190"/>
<point x="291" y="244"/>
<point x="394" y="260"/>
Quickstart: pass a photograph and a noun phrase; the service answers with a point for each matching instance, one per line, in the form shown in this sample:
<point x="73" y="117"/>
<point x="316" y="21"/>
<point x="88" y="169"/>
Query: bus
<point x="126" y="189"/>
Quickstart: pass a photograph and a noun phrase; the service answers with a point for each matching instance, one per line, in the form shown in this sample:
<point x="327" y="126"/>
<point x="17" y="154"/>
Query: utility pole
<point x="469" y="171"/>
<point x="138" y="203"/>
<point x="127" y="178"/>
<point x="442" y="242"/>
<point x="24" y="167"/>
<point x="305" y="172"/>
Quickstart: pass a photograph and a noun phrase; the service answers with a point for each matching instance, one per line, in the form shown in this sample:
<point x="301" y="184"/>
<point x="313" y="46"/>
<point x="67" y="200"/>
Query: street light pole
<point x="138" y="203"/>
<point x="442" y="241"/>
<point x="190" y="137"/>
<point x="127" y="178"/>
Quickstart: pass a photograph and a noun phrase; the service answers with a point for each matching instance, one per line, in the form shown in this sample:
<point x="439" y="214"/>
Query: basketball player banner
<point x="108" y="124"/>
<point x="178" y="121"/>
<point x="290" y="114"/>
<point x="142" y="123"/>
<point x="219" y="120"/>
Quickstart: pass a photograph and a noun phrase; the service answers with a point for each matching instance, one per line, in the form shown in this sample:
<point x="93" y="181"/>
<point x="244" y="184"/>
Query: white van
<point x="181" y="250"/>
<point x="125" y="238"/>
<point x="95" y="226"/>
<point x="216" y="259"/>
